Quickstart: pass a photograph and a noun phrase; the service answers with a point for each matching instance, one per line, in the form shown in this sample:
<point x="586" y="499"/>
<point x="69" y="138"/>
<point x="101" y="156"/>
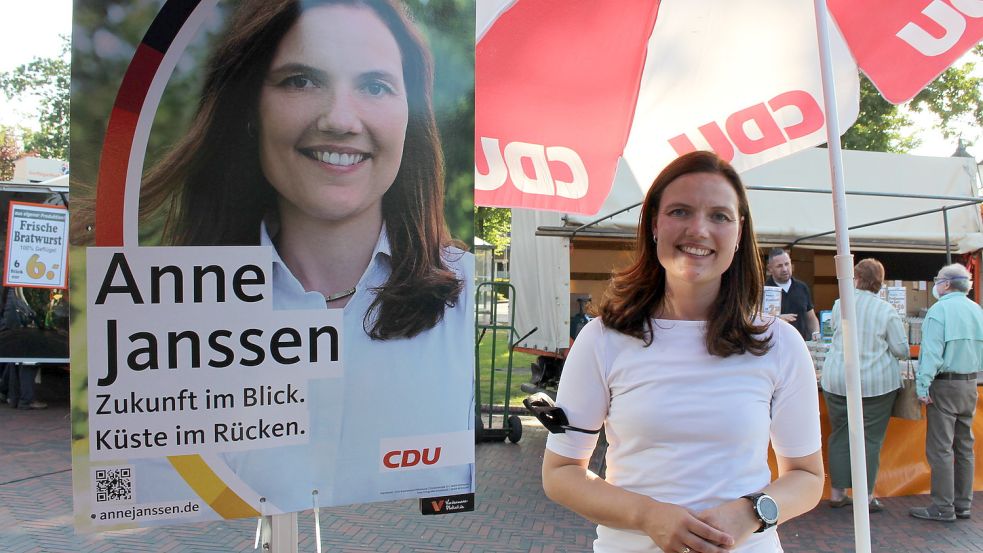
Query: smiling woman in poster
<point x="315" y="135"/>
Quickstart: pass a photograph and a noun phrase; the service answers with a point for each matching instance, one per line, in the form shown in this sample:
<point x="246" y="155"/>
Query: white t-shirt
<point x="685" y="427"/>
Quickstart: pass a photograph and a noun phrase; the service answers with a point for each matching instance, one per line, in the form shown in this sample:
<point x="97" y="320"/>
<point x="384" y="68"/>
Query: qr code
<point x="114" y="484"/>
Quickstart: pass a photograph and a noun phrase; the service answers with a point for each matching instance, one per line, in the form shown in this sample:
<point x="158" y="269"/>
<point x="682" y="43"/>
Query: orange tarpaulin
<point x="904" y="470"/>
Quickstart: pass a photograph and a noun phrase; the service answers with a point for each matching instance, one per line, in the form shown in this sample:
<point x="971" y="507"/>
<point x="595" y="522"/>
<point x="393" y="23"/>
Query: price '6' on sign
<point x="36" y="254"/>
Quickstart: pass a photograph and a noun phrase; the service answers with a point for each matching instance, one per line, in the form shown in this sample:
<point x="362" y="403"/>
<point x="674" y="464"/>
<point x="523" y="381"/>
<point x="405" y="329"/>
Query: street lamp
<point x="960" y="152"/>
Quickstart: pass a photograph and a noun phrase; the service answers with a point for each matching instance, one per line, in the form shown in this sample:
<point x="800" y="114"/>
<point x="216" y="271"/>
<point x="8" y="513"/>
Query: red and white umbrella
<point x="567" y="88"/>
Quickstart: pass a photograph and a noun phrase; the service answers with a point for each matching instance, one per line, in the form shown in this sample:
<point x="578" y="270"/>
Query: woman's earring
<point x="736" y="247"/>
<point x="251" y="129"/>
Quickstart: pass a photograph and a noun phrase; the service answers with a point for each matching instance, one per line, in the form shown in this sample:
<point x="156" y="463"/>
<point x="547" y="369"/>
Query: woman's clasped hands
<point x="716" y="530"/>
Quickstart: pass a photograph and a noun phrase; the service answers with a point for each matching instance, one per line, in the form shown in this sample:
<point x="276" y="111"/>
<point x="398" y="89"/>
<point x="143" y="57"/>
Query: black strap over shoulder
<point x="551" y="416"/>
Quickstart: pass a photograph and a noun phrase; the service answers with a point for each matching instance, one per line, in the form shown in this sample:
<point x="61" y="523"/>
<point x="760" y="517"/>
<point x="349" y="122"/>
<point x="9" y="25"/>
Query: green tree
<point x="9" y="152"/>
<point x="47" y="79"/>
<point x="493" y="225"/>
<point x="881" y="126"/>
<point x="449" y="29"/>
<point x="955" y="96"/>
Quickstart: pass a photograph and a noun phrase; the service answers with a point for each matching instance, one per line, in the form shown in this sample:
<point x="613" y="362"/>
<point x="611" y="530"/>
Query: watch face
<point x="768" y="509"/>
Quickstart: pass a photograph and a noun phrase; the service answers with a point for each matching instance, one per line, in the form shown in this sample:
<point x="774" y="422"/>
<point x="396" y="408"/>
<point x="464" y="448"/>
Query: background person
<point x="17" y="387"/>
<point x="17" y="379"/>
<point x="951" y="356"/>
<point x="881" y="340"/>
<point x="797" y="307"/>
<point x="689" y="385"/>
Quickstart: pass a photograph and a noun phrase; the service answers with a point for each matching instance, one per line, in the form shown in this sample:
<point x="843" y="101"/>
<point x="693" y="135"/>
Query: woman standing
<point x="881" y="339"/>
<point x="690" y="386"/>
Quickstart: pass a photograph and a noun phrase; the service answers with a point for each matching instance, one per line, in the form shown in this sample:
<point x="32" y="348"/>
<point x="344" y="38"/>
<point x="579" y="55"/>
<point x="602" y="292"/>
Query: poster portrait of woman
<point x="316" y="130"/>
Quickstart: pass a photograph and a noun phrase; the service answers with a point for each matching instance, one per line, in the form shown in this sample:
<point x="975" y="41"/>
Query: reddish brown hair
<point x="637" y="292"/>
<point x="869" y="275"/>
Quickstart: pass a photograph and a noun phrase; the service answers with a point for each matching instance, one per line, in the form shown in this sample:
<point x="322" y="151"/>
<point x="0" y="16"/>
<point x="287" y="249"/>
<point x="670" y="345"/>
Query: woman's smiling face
<point x="698" y="227"/>
<point x="333" y="115"/>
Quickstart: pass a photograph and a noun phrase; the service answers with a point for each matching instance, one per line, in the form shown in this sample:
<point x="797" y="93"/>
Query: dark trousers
<point x="877" y="413"/>
<point x="20" y="384"/>
<point x="949" y="442"/>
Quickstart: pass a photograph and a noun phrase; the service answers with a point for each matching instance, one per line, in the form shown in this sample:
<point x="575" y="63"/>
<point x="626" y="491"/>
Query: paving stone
<point x="512" y="513"/>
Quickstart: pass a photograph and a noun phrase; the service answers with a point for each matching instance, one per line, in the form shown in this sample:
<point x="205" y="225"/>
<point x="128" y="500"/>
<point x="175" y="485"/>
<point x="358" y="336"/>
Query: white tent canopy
<point x="781" y="217"/>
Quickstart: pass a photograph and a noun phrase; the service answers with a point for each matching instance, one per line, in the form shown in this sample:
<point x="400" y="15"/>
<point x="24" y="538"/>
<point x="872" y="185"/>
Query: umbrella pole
<point x="844" y="275"/>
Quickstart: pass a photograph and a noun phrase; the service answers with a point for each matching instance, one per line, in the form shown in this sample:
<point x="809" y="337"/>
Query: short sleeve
<point x="583" y="393"/>
<point x="795" y="430"/>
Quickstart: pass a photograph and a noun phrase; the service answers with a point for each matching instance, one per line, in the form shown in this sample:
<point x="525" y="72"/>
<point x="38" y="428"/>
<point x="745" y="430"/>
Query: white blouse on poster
<point x="391" y="389"/>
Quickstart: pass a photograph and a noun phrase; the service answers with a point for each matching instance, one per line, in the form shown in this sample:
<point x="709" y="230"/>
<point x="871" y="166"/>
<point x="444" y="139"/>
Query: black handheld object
<point x="551" y="416"/>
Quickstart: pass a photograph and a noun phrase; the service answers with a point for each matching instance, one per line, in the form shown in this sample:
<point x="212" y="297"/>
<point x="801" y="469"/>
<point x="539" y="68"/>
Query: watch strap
<point x="753" y="498"/>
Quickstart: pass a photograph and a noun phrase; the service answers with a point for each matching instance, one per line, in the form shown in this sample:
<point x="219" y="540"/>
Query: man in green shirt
<point x="951" y="356"/>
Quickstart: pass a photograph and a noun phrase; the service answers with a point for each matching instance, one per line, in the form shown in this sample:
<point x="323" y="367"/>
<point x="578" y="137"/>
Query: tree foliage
<point x="46" y="79"/>
<point x="880" y="127"/>
<point x="449" y="29"/>
<point x="956" y="96"/>
<point x="9" y="152"/>
<point x="493" y="225"/>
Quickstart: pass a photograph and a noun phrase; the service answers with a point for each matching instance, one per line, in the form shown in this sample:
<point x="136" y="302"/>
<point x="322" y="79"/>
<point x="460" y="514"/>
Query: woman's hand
<point x="734" y="517"/>
<point x="675" y="530"/>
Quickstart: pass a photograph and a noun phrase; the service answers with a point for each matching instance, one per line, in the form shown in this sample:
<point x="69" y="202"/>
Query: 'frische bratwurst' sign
<point x="36" y="246"/>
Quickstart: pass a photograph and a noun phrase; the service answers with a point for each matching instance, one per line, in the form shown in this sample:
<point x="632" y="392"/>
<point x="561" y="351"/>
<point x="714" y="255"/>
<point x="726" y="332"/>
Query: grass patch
<point x="520" y="369"/>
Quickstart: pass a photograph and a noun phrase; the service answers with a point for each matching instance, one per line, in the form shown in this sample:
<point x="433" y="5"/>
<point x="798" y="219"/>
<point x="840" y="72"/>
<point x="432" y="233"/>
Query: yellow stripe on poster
<point x="211" y="488"/>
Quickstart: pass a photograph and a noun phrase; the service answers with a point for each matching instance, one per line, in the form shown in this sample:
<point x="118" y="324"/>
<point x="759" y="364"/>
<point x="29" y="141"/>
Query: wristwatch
<point x="765" y="508"/>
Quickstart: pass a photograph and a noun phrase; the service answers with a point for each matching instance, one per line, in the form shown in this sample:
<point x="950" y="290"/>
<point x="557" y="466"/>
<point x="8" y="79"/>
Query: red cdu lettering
<point x="713" y="135"/>
<point x="432" y="460"/>
<point x="762" y="121"/>
<point x="812" y="114"/>
<point x="512" y="163"/>
<point x="903" y="46"/>
<point x="753" y="130"/>
<point x="387" y="459"/>
<point x="945" y="17"/>
<point x="410" y="458"/>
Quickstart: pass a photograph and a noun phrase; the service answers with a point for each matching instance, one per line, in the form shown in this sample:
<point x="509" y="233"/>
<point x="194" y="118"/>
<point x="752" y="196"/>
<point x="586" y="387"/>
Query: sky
<point x="31" y="28"/>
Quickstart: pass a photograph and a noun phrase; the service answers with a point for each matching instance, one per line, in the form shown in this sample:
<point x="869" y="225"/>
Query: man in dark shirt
<point x="797" y="307"/>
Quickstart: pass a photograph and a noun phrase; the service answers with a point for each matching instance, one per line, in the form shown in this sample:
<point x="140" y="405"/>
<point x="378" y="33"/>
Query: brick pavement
<point x="512" y="515"/>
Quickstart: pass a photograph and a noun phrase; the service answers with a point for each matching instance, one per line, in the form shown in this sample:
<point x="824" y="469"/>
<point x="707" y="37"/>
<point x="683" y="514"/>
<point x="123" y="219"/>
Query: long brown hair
<point x="638" y="291"/>
<point x="216" y="193"/>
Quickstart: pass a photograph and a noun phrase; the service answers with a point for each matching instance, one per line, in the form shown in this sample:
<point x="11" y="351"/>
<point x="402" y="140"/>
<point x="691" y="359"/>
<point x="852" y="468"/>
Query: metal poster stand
<point x="278" y="534"/>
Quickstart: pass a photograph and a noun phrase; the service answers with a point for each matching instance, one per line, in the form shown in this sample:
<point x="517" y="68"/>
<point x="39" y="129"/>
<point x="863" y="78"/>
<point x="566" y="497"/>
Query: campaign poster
<point x="272" y="290"/>
<point x="771" y="301"/>
<point x="37" y="246"/>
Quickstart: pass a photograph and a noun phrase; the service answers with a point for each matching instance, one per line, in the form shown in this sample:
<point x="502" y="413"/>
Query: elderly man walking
<point x="951" y="356"/>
